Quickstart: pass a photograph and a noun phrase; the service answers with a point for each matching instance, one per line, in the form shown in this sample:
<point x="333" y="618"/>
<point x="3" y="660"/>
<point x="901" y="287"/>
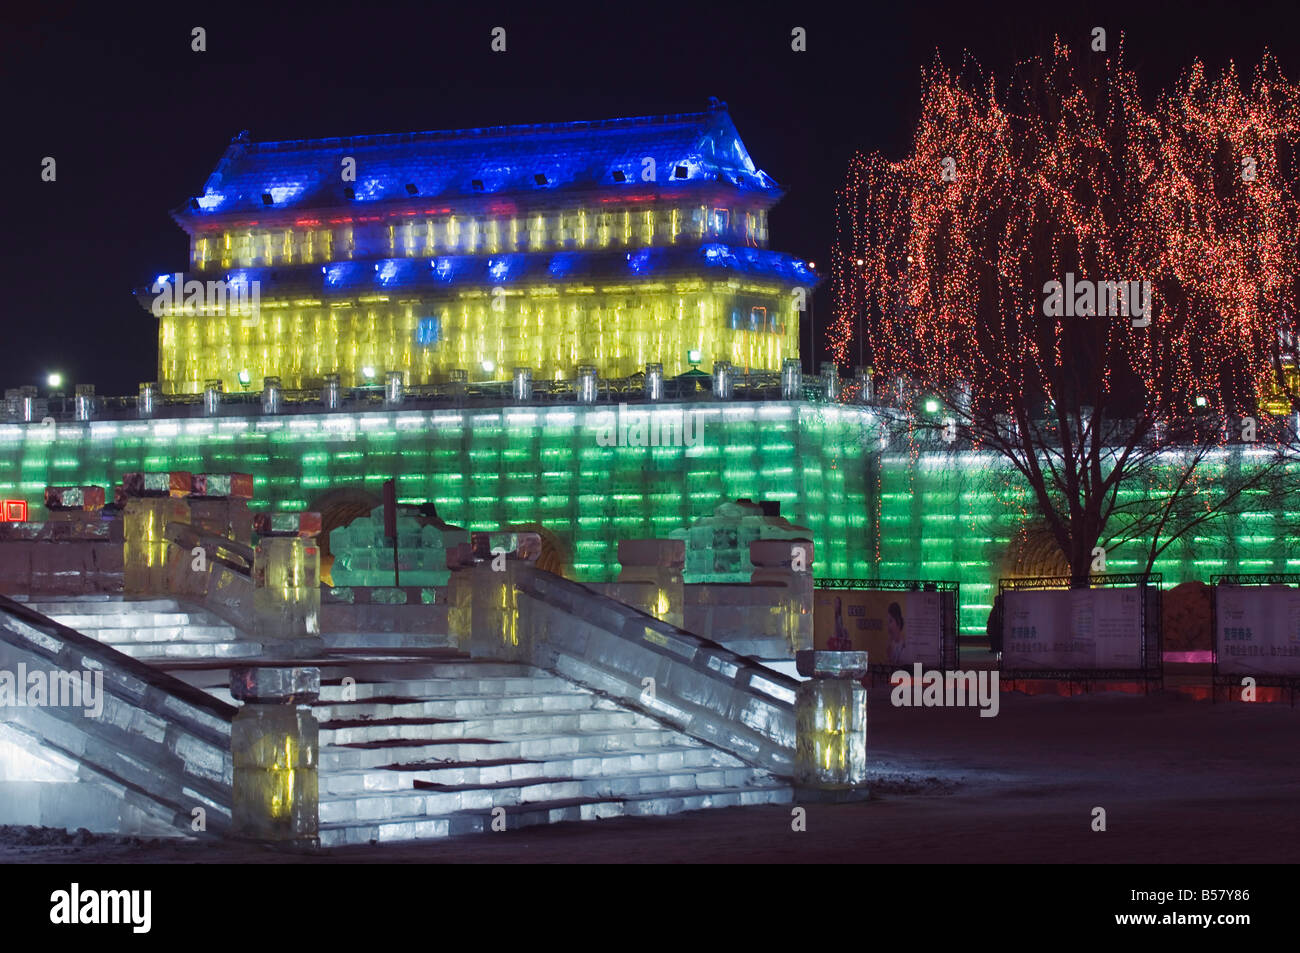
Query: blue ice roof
<point x="687" y="149"/>
<point x="486" y="271"/>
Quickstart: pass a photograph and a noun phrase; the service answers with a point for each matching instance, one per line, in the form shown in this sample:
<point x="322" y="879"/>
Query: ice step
<point x="665" y="758"/>
<point x="189" y="650"/>
<point x="457" y="669"/>
<point x="183" y="633"/>
<point x="530" y="814"/>
<point x="397" y="707"/>
<point x="433" y="800"/>
<point x="539" y="746"/>
<point x="511" y="724"/>
<point x="74" y="618"/>
<point x="362" y="641"/>
<point x="435" y="688"/>
<point x="106" y="605"/>
<point x="430" y="828"/>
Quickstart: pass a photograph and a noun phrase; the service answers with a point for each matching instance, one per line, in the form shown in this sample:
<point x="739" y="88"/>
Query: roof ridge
<point x="517" y="129"/>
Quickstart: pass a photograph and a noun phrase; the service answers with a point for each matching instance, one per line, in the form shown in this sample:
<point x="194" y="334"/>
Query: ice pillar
<point x="787" y="562"/>
<point x="286" y="575"/>
<point x="651" y="577"/>
<point x="275" y="742"/>
<point x="830" y="713"/>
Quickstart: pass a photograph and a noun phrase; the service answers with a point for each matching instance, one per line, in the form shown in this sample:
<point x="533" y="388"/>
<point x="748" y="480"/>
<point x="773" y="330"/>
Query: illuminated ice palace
<point x="569" y="626"/>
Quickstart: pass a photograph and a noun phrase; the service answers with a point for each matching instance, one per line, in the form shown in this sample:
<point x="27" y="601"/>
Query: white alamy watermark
<point x="172" y="293"/>
<point x="1106" y="299"/>
<point x="58" y="689"/>
<point x="77" y="906"/>
<point x="662" y="427"/>
<point x="935" y="689"/>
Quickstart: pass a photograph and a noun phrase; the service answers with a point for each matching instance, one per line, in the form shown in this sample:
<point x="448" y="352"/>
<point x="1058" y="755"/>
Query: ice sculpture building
<point x="611" y="244"/>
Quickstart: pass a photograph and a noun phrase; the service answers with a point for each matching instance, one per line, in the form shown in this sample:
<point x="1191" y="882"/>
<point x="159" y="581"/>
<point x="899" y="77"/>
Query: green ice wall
<point x="909" y="514"/>
<point x="483" y="468"/>
<point x="962" y="517"/>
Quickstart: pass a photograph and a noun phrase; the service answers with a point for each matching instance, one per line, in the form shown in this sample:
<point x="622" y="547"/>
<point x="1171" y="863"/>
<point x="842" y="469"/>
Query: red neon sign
<point x="15" y="511"/>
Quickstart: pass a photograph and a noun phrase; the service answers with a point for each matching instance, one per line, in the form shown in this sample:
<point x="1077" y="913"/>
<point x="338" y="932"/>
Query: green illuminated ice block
<point x="897" y="513"/>
<point x="364" y="557"/>
<point x="717" y="547"/>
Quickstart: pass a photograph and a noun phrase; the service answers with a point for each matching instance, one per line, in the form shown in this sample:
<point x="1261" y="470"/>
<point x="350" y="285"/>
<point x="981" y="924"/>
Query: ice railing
<point x="683" y="680"/>
<point x="162" y="742"/>
<point x="752" y="386"/>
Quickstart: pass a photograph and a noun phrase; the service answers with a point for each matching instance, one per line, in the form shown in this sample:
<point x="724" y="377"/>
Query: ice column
<point x="523" y="384"/>
<point x="723" y="380"/>
<point x="331" y="392"/>
<point x="830" y="713"/>
<point x="484" y="610"/>
<point x="275" y="742"/>
<point x="654" y="382"/>
<point x="272" y="395"/>
<point x="830" y="382"/>
<point x="84" y="402"/>
<point x="866" y="386"/>
<point x="788" y="563"/>
<point x="153" y="501"/>
<point x="792" y="379"/>
<point x="286" y="575"/>
<point x="651" y="577"/>
<point x="211" y="398"/>
<point x="145" y="402"/>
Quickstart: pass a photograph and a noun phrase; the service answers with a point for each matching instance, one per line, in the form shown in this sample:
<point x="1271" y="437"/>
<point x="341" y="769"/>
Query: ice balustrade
<point x="689" y="683"/>
<point x="457" y="391"/>
<point x="161" y="745"/>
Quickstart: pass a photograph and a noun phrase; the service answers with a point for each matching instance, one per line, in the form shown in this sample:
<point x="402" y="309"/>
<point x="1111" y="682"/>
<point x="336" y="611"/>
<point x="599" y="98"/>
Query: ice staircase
<point x="430" y="749"/>
<point x="413" y="746"/>
<point x="151" y="757"/>
<point x="162" y="629"/>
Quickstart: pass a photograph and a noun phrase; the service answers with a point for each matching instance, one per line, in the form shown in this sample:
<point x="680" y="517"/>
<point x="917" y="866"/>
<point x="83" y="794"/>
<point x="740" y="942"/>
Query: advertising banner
<point x="1258" y="629"/>
<point x="894" y="627"/>
<point x="1072" y="629"/>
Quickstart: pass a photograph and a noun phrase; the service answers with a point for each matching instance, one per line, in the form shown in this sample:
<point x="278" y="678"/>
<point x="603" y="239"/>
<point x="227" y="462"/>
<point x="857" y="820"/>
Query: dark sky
<point x="137" y="121"/>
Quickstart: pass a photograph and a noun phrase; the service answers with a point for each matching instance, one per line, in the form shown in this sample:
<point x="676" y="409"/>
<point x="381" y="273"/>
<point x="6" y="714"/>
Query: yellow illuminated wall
<point x="551" y="329"/>
<point x="317" y="241"/>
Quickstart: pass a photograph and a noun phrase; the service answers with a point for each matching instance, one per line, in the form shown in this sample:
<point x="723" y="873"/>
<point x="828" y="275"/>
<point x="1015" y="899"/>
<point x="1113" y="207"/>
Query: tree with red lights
<point x="1085" y="283"/>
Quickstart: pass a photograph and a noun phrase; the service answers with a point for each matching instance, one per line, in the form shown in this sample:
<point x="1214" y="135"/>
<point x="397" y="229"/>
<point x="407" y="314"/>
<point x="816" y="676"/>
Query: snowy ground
<point x="1180" y="781"/>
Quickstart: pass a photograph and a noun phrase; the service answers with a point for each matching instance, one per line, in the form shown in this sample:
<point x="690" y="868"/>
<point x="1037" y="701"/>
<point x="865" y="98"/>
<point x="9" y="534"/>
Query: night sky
<point x="137" y="121"/>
